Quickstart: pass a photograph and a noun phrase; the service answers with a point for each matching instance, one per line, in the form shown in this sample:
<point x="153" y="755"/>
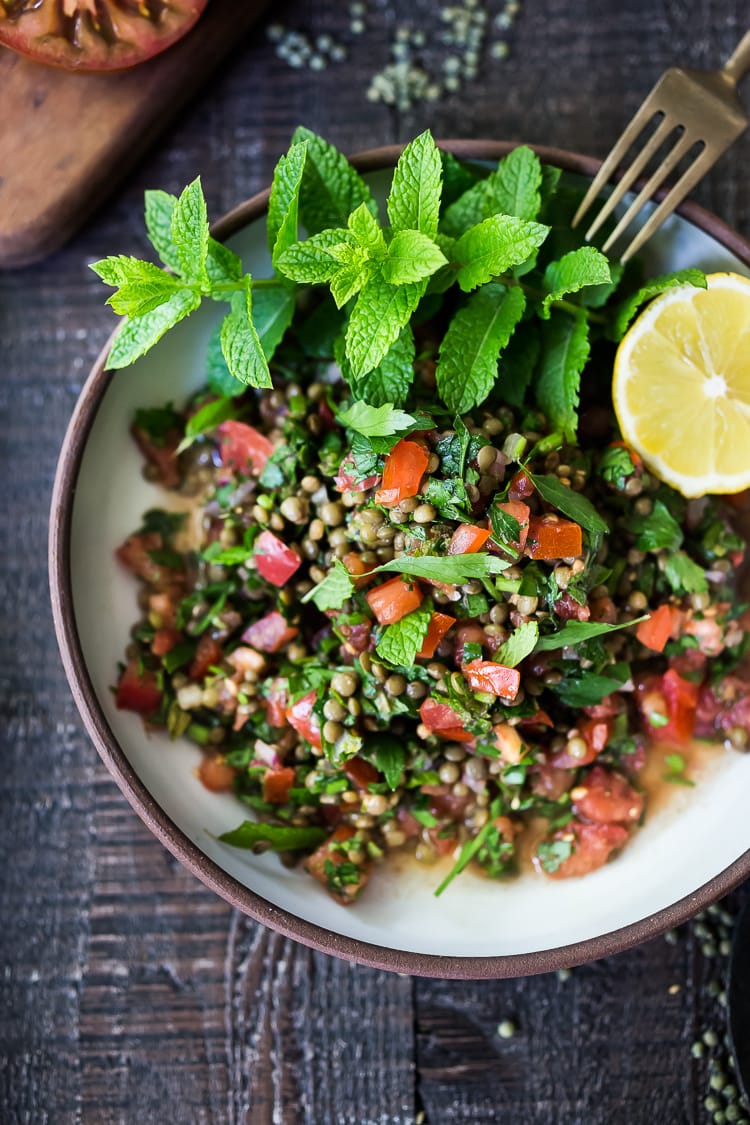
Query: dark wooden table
<point x="128" y="991"/>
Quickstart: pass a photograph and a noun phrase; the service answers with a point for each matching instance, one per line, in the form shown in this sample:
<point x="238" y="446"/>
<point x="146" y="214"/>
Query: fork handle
<point x="738" y="63"/>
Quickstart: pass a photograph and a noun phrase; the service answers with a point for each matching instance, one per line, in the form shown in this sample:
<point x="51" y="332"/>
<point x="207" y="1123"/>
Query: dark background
<point x="128" y="991"/>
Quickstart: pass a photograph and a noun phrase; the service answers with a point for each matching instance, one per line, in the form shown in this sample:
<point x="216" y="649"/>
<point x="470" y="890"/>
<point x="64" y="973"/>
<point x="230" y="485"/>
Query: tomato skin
<point x="216" y="775"/>
<point x="521" y="512"/>
<point x="361" y="772"/>
<point x="661" y="625"/>
<point x="138" y="690"/>
<point x="270" y="633"/>
<point x="674" y="698"/>
<point x="404" y="468"/>
<point x="439" y="625"/>
<point x="274" y="560"/>
<point x="163" y="456"/>
<point x="276" y="704"/>
<point x="467" y="539"/>
<point x="443" y="721"/>
<point x="495" y="679"/>
<point x="593" y="845"/>
<point x="393" y="600"/>
<point x="276" y="785"/>
<point x="208" y="652"/>
<point x="301" y="716"/>
<point x="606" y="797"/>
<point x="553" y="538"/>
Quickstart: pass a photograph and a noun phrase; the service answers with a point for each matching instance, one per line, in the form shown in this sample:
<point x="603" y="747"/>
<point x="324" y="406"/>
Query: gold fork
<point x="704" y="105"/>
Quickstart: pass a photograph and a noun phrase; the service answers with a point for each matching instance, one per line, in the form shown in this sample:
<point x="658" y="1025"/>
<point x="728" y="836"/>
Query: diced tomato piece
<point x="318" y="866"/>
<point x="216" y="775"/>
<point x="603" y="610"/>
<point x="553" y="538"/>
<point x="596" y="733"/>
<point x="208" y="653"/>
<point x="509" y="743"/>
<point x="404" y="468"/>
<point x="467" y="539"/>
<point x="656" y="631"/>
<point x="362" y="773"/>
<point x="667" y="697"/>
<point x="439" y="625"/>
<point x="443" y="721"/>
<point x="274" y="560"/>
<point x="164" y="640"/>
<point x="162" y="454"/>
<point x="276" y="785"/>
<point x="346" y="480"/>
<point x="540" y="718"/>
<point x="521" y="512"/>
<point x="394" y="599"/>
<point x="593" y="844"/>
<point x="443" y="838"/>
<point x="138" y="690"/>
<point x="270" y="633"/>
<point x="243" y="448"/>
<point x="276" y="704"/>
<point x="521" y="486"/>
<point x="495" y="679"/>
<point x="135" y="554"/>
<point x="302" y="717"/>
<point x="606" y="797"/>
<point x="357" y="569"/>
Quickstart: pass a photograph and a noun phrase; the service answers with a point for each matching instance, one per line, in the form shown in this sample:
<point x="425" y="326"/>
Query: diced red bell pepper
<point x="394" y="599"/>
<point x="592" y="846"/>
<point x="243" y="448"/>
<point x="443" y="721"/>
<point x="274" y="560"/>
<point x="270" y="633"/>
<point x="521" y="486"/>
<point x="439" y="625"/>
<point x="521" y="512"/>
<point x="216" y="775"/>
<point x="276" y="704"/>
<point x="138" y="690"/>
<point x="362" y="773"/>
<point x="553" y="538"/>
<point x="467" y="539"/>
<point x="302" y="717"/>
<point x="404" y="468"/>
<point x="606" y="797"/>
<point x="164" y="640"/>
<point x="493" y="678"/>
<point x="656" y="631"/>
<point x="207" y="654"/>
<point x="276" y="785"/>
<point x="162" y="455"/>
<point x="671" y="697"/>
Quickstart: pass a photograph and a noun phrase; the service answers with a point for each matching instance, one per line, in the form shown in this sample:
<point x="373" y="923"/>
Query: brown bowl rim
<point x="151" y="813"/>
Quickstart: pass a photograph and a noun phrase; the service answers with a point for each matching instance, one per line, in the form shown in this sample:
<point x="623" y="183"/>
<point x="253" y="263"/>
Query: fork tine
<point x="641" y="118"/>
<point x="673" y="157"/>
<point x="686" y="182"/>
<point x="666" y="125"/>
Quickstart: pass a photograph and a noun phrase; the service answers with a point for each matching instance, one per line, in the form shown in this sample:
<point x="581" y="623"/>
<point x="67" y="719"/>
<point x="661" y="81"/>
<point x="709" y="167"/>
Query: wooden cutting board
<point x="66" y="140"/>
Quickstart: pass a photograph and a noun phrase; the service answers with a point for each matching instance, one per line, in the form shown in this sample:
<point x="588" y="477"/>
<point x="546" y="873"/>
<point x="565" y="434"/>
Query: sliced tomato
<point x="138" y="690"/>
<point x="216" y="775"/>
<point x="520" y="512"/>
<point x="493" y="678"/>
<point x="442" y="720"/>
<point x="362" y="773"/>
<point x="656" y="631"/>
<point x="671" y="698"/>
<point x="606" y="797"/>
<point x="593" y="844"/>
<point x="161" y="454"/>
<point x="276" y="785"/>
<point x="439" y="625"/>
<point x="467" y="539"/>
<point x="393" y="600"/>
<point x="95" y="35"/>
<point x="302" y="717"/>
<point x="276" y="704"/>
<point x="243" y="448"/>
<point x="270" y="633"/>
<point x="208" y="653"/>
<point x="274" y="560"/>
<point x="404" y="468"/>
<point x="553" y="538"/>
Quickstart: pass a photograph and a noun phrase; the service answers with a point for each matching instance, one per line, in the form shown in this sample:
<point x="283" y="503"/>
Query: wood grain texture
<point x="128" y="992"/>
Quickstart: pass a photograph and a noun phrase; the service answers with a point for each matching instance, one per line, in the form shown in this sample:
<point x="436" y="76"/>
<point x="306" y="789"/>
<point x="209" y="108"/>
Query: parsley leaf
<point x="401" y="641"/>
<point x="684" y="575"/>
<point x="659" y="529"/>
<point x="565" y="350"/>
<point x="553" y="853"/>
<point x="389" y="755"/>
<point x="586" y="691"/>
<point x="578" y="268"/>
<point x="375" y="421"/>
<point x="570" y="503"/>
<point x="336" y="588"/>
<point x="414" y="199"/>
<point x="520" y="644"/>
<point x="279" y="837"/>
<point x="451" y="569"/>
<point x="575" y="632"/>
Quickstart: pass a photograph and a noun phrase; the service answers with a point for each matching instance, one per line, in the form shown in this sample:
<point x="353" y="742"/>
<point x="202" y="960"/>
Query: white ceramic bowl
<point x="687" y="854"/>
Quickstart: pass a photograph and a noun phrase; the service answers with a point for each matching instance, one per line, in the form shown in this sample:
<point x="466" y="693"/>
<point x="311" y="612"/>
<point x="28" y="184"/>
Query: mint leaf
<point x="331" y="593"/>
<point x="377" y="318"/>
<point x="520" y="644"/>
<point x="390" y="757"/>
<point x="411" y="256"/>
<point x="365" y="229"/>
<point x="273" y="310"/>
<point x="401" y="642"/>
<point x="571" y="504"/>
<point x="518" y="362"/>
<point x="142" y="286"/>
<point x="222" y="264"/>
<point x="467" y="360"/>
<point x="565" y="350"/>
<point x="466" y="211"/>
<point x="279" y="837"/>
<point x="283" y="204"/>
<point x="311" y="261"/>
<point x="513" y="189"/>
<point x="331" y="188"/>
<point x="457" y="178"/>
<point x="190" y="233"/>
<point x="352" y="274"/>
<point x="585" y="266"/>
<point x="414" y="200"/>
<point x="494" y="246"/>
<point x="576" y="632"/>
<point x="625" y="312"/>
<point x="451" y="569"/>
<point x="684" y="575"/>
<point x="219" y="378"/>
<point x="385" y="444"/>
<point x="240" y="344"/>
<point x="391" y="379"/>
<point x="597" y="295"/>
<point x="160" y="207"/>
<point x="375" y="421"/>
<point x="138" y="334"/>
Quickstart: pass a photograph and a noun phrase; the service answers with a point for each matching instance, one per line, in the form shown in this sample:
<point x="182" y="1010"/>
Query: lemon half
<point x="681" y="386"/>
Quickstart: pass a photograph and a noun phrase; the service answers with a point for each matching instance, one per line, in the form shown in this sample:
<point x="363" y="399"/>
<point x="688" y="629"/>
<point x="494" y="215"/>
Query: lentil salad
<point x="432" y="630"/>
